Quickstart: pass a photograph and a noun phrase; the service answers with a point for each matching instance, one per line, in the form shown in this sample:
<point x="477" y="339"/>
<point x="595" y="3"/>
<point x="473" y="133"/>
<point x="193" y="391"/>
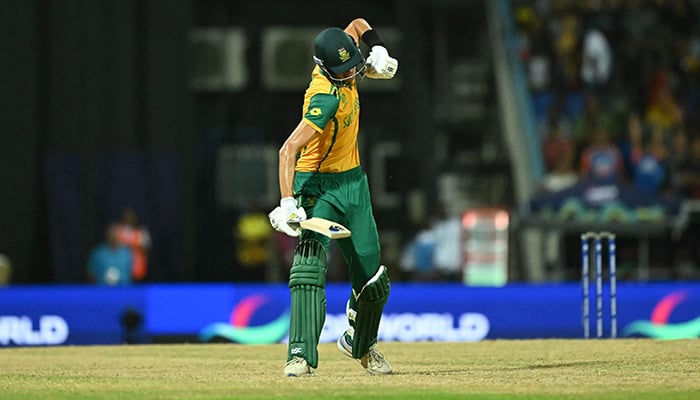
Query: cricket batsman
<point x="320" y="176"/>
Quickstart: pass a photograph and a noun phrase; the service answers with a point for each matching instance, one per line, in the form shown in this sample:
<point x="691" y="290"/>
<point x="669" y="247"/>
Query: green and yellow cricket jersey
<point x="329" y="181"/>
<point x="334" y="112"/>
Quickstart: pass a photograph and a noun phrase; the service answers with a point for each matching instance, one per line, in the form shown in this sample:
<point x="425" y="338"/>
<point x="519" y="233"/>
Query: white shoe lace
<point x="295" y="360"/>
<point x="375" y="355"/>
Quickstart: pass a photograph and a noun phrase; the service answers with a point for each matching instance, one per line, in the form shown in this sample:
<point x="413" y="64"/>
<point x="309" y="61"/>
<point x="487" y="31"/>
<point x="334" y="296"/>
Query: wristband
<point x="371" y="38"/>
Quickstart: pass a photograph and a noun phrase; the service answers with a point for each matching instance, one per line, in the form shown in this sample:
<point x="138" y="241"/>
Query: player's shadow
<point x="543" y="366"/>
<point x="455" y="371"/>
<point x="572" y="364"/>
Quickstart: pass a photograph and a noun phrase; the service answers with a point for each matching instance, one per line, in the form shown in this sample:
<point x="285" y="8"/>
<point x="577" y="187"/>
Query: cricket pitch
<point x="498" y="369"/>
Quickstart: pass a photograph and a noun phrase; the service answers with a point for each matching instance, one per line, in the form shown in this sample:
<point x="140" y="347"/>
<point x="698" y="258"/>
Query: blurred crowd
<point x="616" y="90"/>
<point x="615" y="87"/>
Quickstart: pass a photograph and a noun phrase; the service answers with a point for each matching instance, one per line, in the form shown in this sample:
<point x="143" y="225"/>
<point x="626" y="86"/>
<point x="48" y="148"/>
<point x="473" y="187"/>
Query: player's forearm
<point x="287" y="161"/>
<point x="357" y="27"/>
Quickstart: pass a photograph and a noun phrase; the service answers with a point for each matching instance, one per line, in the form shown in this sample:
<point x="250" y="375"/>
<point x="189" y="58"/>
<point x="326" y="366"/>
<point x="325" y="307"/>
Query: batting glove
<point x="380" y="65"/>
<point x="285" y="213"/>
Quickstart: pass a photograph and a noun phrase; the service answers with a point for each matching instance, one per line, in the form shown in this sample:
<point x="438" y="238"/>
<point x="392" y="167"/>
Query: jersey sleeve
<point x="320" y="110"/>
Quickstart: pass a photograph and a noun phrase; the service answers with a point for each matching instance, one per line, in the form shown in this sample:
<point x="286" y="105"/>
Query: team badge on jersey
<point x="344" y="54"/>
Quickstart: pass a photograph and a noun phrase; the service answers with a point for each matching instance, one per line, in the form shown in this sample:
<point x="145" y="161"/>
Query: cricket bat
<point x="323" y="226"/>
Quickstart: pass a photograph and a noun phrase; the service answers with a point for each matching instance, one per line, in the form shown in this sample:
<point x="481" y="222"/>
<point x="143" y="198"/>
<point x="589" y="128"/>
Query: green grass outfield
<point x="513" y="369"/>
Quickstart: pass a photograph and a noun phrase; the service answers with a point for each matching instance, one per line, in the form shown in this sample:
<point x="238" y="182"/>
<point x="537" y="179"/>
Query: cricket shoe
<point x="374" y="361"/>
<point x="296" y="367"/>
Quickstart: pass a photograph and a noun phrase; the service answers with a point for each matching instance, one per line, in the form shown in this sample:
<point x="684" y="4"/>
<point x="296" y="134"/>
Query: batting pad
<point x="307" y="280"/>
<point x="370" y="303"/>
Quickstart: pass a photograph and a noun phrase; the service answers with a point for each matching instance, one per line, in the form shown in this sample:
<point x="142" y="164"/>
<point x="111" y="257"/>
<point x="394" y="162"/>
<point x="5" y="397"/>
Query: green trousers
<point x="344" y="198"/>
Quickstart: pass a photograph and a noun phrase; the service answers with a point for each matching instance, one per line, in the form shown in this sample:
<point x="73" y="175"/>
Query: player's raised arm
<point x="356" y="28"/>
<point x="379" y="64"/>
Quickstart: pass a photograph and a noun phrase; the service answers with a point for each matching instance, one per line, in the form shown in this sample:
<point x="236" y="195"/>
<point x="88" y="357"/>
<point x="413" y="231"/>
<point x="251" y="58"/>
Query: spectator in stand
<point x="560" y="175"/>
<point x="448" y="258"/>
<point x="646" y="156"/>
<point x="563" y="175"/>
<point x="110" y="262"/>
<point x="417" y="257"/>
<point x="593" y="117"/>
<point x="567" y="54"/>
<point x="649" y="168"/>
<point x="663" y="111"/>
<point x="435" y="253"/>
<point x="556" y="116"/>
<point x="601" y="159"/>
<point x="537" y="54"/>
<point x="136" y="236"/>
<point x="556" y="145"/>
<point x="597" y="60"/>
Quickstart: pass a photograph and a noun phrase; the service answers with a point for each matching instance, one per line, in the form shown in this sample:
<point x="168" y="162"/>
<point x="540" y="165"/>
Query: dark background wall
<point x="97" y="114"/>
<point x="82" y="82"/>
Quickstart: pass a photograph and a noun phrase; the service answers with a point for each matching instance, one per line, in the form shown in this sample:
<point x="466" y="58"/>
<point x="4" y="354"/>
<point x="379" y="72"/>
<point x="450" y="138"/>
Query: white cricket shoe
<point x="296" y="367"/>
<point x="374" y="361"/>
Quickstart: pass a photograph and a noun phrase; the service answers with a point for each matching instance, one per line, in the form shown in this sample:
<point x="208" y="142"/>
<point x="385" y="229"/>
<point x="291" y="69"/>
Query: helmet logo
<point x="344" y="54"/>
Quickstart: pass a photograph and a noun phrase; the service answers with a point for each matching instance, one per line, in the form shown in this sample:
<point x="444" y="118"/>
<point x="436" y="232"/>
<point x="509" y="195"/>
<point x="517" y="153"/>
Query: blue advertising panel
<point x="51" y="315"/>
<point x="55" y="315"/>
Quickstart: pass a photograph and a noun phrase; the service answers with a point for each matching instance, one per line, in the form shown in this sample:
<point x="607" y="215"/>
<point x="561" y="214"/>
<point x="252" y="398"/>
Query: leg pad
<point x="370" y="303"/>
<point x="307" y="279"/>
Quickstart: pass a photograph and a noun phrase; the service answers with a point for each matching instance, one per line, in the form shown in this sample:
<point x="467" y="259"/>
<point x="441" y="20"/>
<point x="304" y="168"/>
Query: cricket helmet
<point x="336" y="53"/>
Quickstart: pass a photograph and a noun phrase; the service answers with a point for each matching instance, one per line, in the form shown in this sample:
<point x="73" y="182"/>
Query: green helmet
<point x="336" y="53"/>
